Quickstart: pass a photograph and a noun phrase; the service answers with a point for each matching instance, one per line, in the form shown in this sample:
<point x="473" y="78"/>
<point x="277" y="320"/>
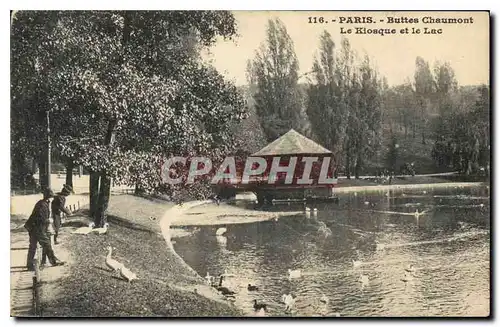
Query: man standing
<point x="37" y="226"/>
<point x="58" y="207"/>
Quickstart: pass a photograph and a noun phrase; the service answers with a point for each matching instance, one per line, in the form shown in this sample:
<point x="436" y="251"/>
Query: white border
<point x="193" y="4"/>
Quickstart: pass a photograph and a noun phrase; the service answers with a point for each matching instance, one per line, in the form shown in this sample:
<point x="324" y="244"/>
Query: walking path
<point x="21" y="280"/>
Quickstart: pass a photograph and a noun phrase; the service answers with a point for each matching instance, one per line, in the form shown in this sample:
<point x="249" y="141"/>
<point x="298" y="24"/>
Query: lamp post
<point x="48" y="150"/>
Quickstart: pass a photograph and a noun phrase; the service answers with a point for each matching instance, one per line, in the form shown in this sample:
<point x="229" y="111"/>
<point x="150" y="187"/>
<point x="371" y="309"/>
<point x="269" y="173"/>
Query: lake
<point x="449" y="247"/>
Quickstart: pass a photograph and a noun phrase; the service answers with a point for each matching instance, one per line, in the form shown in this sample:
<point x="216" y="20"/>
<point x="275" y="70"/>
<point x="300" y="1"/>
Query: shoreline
<point x="402" y="187"/>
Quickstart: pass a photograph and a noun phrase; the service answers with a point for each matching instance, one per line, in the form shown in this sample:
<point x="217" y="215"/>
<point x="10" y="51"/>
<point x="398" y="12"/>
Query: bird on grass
<point x="111" y="263"/>
<point x="259" y="306"/>
<point x="127" y="274"/>
<point x="252" y="287"/>
<point x="84" y="230"/>
<point x="324" y="299"/>
<point x="101" y="230"/>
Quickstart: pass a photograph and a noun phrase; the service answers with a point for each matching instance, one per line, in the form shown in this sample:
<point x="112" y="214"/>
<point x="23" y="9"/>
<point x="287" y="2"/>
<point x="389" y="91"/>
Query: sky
<point x="464" y="46"/>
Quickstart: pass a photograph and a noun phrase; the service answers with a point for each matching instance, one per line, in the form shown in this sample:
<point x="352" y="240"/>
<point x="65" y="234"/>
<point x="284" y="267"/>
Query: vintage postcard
<point x="250" y="164"/>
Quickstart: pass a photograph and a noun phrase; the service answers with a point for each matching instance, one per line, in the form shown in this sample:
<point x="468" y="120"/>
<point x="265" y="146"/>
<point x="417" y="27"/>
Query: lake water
<point x="449" y="247"/>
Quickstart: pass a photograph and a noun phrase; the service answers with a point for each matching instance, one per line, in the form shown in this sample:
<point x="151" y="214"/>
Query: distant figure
<point x="37" y="226"/>
<point x="58" y="207"/>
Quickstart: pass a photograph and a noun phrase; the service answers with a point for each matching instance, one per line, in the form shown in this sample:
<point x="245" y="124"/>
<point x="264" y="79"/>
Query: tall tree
<point x="274" y="70"/>
<point x="424" y="89"/>
<point x="368" y="115"/>
<point x="326" y="107"/>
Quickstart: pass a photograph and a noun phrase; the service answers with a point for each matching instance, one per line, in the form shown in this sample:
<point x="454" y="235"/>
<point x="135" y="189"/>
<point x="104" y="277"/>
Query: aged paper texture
<point x="250" y="163"/>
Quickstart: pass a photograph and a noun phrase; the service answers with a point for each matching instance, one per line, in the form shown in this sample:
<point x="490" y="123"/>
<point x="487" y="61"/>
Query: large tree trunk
<point x="94" y="192"/>
<point x="42" y="172"/>
<point x="100" y="216"/>
<point x="69" y="172"/>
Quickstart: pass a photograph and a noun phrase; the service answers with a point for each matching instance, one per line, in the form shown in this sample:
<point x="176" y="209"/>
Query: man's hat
<point x="47" y="193"/>
<point x="67" y="189"/>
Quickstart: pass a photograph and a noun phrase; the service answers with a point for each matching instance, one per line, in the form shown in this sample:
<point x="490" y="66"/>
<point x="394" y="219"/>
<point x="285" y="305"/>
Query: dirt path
<point x="21" y="281"/>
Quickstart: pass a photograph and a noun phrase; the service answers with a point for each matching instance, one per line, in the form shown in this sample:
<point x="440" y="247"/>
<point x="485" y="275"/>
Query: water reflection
<point x="448" y="247"/>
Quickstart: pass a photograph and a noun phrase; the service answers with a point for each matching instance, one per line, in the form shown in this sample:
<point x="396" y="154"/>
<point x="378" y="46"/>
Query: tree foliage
<point x="274" y="72"/>
<point x="129" y="89"/>
<point x="344" y="103"/>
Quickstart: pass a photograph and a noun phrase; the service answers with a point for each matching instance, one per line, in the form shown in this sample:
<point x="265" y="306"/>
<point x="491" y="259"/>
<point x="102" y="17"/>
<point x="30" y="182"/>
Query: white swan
<point x="289" y="301"/>
<point x="221" y="231"/>
<point x="365" y="281"/>
<point x="127" y="274"/>
<point x="101" y="230"/>
<point x="84" y="230"/>
<point x="111" y="263"/>
<point x="315" y="210"/>
<point x="308" y="209"/>
<point x="294" y="273"/>
<point x="324" y="299"/>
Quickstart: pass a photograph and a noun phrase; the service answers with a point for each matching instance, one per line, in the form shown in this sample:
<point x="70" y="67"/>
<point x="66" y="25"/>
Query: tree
<point x="368" y="112"/>
<point x="326" y="106"/>
<point x="136" y="89"/>
<point x="424" y="89"/>
<point x="274" y="70"/>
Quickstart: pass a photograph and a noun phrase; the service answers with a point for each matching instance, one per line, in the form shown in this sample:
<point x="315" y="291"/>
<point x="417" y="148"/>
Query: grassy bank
<point x="164" y="288"/>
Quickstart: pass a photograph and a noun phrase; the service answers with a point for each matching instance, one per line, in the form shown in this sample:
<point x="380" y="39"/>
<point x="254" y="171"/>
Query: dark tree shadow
<point x="75" y="223"/>
<point x="127" y="224"/>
